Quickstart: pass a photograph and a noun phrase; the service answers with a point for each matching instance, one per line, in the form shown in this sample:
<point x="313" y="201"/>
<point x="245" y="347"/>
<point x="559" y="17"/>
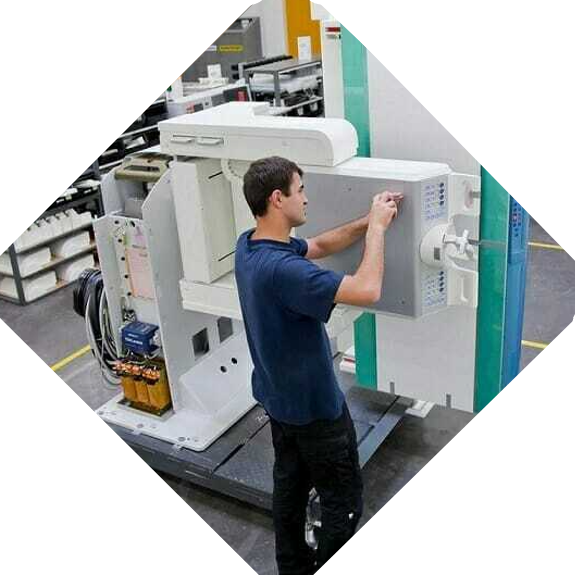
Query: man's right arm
<point x="364" y="287"/>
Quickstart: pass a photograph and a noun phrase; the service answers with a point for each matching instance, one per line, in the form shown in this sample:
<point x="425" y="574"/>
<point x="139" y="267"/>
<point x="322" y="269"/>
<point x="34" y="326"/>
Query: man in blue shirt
<point x="286" y="299"/>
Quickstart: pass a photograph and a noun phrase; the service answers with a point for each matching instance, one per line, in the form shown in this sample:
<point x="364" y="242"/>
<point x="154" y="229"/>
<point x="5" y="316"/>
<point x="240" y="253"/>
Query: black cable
<point x="88" y="295"/>
<point x="85" y="285"/>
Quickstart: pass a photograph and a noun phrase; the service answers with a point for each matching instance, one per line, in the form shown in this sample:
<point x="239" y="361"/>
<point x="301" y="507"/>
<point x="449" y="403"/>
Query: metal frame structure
<point x="284" y="66"/>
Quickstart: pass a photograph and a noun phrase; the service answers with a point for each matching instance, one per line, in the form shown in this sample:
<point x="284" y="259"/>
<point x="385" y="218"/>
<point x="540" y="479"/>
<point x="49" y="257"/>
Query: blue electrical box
<point x="138" y="337"/>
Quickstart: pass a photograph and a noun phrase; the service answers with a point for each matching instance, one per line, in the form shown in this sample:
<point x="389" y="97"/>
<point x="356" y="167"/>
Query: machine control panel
<point x="434" y="210"/>
<point x="434" y="289"/>
<point x="413" y="285"/>
<point x="434" y="198"/>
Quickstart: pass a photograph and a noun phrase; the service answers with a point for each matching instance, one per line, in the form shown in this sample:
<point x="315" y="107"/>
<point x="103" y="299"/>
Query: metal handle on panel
<point x="182" y="139"/>
<point x="443" y="248"/>
<point x="462" y="243"/>
<point x="205" y="141"/>
<point x="463" y="286"/>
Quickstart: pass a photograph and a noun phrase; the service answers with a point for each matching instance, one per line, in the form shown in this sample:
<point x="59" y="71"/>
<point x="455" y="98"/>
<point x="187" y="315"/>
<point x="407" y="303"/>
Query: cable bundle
<point x="87" y="282"/>
<point x="91" y="303"/>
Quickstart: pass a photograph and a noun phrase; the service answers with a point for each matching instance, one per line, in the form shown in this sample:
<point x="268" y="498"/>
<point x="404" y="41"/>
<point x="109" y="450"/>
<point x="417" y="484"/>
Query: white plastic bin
<point x="27" y="263"/>
<point x="67" y="247"/>
<point x="70" y="271"/>
<point x="55" y="226"/>
<point x="33" y="288"/>
<point x="79" y="220"/>
<point x="65" y="222"/>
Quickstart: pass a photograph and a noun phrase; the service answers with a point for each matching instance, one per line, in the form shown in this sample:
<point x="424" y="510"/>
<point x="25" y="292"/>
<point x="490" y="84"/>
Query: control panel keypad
<point x="434" y="201"/>
<point x="435" y="289"/>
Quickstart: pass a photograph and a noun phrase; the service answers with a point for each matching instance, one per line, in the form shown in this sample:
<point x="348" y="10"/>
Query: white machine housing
<point x="206" y="356"/>
<point x="167" y="254"/>
<point x="423" y="272"/>
<point x="246" y="131"/>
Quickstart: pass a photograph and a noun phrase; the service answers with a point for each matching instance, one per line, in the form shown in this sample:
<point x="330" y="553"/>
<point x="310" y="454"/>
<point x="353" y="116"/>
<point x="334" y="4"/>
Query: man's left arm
<point x="336" y="240"/>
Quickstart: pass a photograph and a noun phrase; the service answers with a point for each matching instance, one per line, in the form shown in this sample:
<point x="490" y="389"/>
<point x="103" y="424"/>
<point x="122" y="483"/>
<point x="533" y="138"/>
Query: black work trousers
<point x="323" y="455"/>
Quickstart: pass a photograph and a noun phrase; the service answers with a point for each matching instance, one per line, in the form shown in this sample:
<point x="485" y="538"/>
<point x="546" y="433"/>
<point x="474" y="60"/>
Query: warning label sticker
<point x="231" y="48"/>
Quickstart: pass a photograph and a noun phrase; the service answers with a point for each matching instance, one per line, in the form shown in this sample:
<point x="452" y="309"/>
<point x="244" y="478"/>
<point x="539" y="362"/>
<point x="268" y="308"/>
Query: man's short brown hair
<point x="263" y="177"/>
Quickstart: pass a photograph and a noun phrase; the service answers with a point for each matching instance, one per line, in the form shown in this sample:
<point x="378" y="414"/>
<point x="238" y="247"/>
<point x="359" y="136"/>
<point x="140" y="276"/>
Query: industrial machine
<point x="291" y="85"/>
<point x="197" y="96"/>
<point x="170" y="307"/>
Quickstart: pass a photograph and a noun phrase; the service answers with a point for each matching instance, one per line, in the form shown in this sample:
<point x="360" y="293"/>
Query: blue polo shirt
<point x="285" y="301"/>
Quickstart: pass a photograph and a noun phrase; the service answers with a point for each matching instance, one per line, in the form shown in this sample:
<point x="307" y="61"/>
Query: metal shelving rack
<point x="285" y="65"/>
<point x="92" y="198"/>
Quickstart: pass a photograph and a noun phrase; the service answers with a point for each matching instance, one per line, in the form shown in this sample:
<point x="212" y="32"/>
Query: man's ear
<point x="276" y="198"/>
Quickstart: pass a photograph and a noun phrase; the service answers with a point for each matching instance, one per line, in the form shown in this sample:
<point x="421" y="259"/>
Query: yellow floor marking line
<point x="84" y="350"/>
<point x="533" y="344"/>
<point x="67" y="360"/>
<point x="546" y="246"/>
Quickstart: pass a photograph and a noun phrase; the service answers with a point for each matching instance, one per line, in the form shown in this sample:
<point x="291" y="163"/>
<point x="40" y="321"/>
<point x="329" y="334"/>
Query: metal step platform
<point x="240" y="463"/>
